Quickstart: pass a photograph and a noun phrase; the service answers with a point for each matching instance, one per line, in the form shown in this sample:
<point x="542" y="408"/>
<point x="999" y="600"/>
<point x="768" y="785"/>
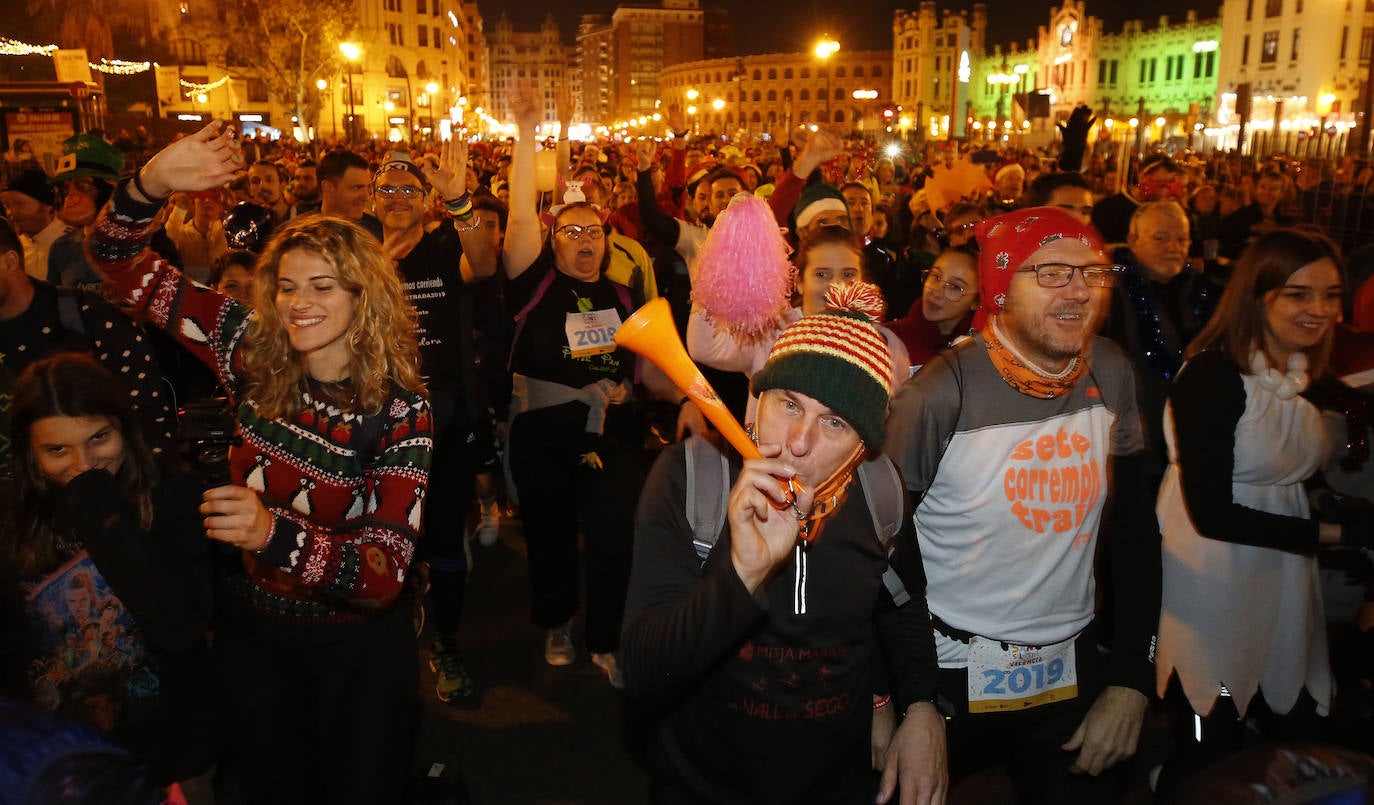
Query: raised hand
<point x="676" y="120"/>
<point x="209" y="158"/>
<point x="645" y="150"/>
<point x="451" y="179"/>
<point x="527" y="106"/>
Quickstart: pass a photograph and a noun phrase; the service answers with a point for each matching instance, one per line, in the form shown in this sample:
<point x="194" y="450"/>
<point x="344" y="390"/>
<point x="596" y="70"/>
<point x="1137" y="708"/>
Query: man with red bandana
<point x="1022" y="449"/>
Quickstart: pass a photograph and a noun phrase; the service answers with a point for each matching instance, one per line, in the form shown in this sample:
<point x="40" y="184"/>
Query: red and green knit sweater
<point x="346" y="515"/>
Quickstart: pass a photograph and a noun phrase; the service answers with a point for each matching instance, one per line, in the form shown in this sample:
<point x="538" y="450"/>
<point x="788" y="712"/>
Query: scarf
<point x="1023" y="377"/>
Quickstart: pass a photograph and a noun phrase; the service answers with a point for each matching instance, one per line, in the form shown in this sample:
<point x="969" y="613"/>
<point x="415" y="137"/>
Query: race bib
<point x="592" y="333"/>
<point x="1019" y="677"/>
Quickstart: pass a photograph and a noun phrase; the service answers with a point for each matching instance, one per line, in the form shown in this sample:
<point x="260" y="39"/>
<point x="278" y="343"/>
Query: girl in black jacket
<point x="106" y="556"/>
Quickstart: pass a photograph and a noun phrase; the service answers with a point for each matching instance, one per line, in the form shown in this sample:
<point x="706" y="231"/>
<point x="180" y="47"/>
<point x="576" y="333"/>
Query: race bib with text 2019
<point x="1019" y="677"/>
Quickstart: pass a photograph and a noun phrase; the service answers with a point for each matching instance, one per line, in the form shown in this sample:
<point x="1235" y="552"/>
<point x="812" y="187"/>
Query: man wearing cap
<point x="29" y="200"/>
<point x="759" y="661"/>
<point x="435" y="268"/>
<point x="85" y="179"/>
<point x="1023" y="452"/>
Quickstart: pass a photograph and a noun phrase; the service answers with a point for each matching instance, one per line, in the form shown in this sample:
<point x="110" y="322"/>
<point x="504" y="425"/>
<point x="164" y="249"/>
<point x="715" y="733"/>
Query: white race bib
<point x="592" y="333"/>
<point x="1019" y="677"/>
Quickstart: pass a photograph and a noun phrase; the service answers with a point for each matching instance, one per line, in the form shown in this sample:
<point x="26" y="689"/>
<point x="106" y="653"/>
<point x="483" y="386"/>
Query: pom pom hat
<point x="1008" y="241"/>
<point x="838" y="358"/>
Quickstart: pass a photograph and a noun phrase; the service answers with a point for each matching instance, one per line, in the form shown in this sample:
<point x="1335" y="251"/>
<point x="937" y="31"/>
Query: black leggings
<point x="560" y="491"/>
<point x="1201" y="740"/>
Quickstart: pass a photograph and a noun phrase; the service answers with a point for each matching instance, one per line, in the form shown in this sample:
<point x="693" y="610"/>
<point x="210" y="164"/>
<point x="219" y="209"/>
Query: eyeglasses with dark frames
<point x="1058" y="275"/>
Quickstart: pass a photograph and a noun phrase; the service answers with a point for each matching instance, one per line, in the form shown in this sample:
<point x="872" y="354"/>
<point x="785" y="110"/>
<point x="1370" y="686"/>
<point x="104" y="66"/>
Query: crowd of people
<point x="1038" y="444"/>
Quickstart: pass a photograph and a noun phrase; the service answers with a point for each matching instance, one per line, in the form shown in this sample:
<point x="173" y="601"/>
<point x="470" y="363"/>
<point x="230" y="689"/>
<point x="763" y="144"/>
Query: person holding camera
<point x="318" y="653"/>
<point x="107" y="577"/>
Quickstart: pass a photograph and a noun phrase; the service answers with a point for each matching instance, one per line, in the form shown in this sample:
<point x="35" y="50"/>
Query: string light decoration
<point x="190" y="88"/>
<point x="13" y="47"/>
<point x="121" y="67"/>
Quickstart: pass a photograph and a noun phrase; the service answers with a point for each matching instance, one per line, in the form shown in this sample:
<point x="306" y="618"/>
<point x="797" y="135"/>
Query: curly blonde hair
<point x="381" y="338"/>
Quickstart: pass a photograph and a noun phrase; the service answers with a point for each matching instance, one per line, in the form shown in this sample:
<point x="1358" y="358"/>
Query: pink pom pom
<point x="861" y="297"/>
<point x="744" y="279"/>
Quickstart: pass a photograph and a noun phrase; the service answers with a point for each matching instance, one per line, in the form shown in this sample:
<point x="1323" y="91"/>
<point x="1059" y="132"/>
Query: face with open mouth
<point x="317" y="311"/>
<point x="578" y="246"/>
<point x="1052" y="325"/>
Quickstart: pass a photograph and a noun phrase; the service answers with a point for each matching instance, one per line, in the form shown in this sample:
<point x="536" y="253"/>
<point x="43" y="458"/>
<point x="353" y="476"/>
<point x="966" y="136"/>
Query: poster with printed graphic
<point x="92" y="664"/>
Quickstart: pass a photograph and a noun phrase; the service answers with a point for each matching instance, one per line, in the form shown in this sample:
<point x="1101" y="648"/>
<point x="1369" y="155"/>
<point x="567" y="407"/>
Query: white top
<point x="1246" y="617"/>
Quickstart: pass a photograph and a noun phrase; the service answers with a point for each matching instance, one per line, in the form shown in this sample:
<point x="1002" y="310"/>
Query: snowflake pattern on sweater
<point x="345" y="515"/>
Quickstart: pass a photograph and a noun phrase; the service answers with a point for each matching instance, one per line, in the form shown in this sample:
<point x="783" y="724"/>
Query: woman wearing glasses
<point x="948" y="302"/>
<point x="574" y="437"/>
<point x="1242" y="634"/>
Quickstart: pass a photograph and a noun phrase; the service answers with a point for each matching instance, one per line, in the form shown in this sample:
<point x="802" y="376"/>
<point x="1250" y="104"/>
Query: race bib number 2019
<point x="592" y="333"/>
<point x="1019" y="677"/>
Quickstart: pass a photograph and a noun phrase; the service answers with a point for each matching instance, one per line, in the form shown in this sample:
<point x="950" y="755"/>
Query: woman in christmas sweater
<point x="328" y="483"/>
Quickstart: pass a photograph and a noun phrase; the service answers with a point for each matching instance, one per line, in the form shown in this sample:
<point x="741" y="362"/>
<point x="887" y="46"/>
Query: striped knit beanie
<point x="839" y="358"/>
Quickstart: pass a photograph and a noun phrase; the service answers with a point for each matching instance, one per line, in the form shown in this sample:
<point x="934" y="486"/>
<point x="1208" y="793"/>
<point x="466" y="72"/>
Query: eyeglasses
<point x="402" y="190"/>
<point x="934" y="279"/>
<point x="1057" y="275"/>
<point x="575" y="232"/>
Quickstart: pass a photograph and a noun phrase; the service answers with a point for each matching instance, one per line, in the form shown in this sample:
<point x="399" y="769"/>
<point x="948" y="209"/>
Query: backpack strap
<point x="539" y="291"/>
<point x="884" y="491"/>
<point x="708" y="489"/>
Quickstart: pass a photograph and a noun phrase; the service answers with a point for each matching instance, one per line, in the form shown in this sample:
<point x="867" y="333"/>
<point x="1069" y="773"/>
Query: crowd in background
<point x="160" y="277"/>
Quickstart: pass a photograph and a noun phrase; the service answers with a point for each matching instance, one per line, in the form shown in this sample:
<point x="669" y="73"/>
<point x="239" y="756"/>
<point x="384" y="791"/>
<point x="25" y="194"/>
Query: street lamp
<point x="323" y="85"/>
<point x="431" y="90"/>
<point x="826" y="48"/>
<point x="351" y="52"/>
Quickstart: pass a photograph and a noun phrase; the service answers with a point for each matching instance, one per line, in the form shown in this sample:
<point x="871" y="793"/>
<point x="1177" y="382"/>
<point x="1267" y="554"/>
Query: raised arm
<point x="450" y="180"/>
<point x="522" y="229"/>
<point x="207" y="323"/>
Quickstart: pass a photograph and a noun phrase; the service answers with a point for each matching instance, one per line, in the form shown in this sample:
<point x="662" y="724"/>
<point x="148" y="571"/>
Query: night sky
<point x="771" y="26"/>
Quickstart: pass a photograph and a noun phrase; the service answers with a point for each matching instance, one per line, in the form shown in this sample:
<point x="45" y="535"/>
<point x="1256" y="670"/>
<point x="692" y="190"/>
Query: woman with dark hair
<point x="574" y="436"/>
<point x="1242" y="610"/>
<point x="947" y="305"/>
<point x="325" y="497"/>
<point x="104" y="546"/>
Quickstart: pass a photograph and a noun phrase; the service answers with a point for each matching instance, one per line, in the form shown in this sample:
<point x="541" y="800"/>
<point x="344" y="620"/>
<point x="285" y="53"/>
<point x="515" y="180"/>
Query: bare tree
<point x="287" y="43"/>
